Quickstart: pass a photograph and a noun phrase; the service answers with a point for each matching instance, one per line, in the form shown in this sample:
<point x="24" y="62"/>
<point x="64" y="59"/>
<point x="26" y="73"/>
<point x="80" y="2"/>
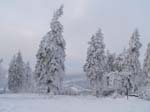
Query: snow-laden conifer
<point x="132" y="63"/>
<point x="146" y="67"/>
<point x="119" y="62"/>
<point x="28" y="78"/>
<point x="3" y="78"/>
<point x="110" y="60"/>
<point x="16" y="74"/>
<point x="49" y="71"/>
<point x="96" y="62"/>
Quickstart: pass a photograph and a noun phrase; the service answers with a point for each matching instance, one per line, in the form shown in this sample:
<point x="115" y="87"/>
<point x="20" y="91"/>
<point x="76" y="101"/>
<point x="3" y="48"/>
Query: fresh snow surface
<point x="47" y="103"/>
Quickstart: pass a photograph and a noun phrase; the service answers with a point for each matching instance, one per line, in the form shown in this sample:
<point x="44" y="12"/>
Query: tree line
<point x="107" y="72"/>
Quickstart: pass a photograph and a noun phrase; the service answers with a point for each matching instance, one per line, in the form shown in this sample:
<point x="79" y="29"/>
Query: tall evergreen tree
<point x="16" y="74"/>
<point x="3" y="78"/>
<point x="110" y="60"/>
<point x="146" y="65"/>
<point x="49" y="70"/>
<point x="96" y="62"/>
<point x="132" y="63"/>
<point x="119" y="62"/>
<point x="28" y="80"/>
<point x="1" y="72"/>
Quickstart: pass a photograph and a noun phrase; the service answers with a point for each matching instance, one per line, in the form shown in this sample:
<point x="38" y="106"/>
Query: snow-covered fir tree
<point x="146" y="64"/>
<point x="50" y="69"/>
<point x="96" y="62"/>
<point x="119" y="61"/>
<point x="3" y="78"/>
<point x="1" y="73"/>
<point x="132" y="63"/>
<point x="28" y="80"/>
<point x="144" y="91"/>
<point x="110" y="59"/>
<point x="16" y="74"/>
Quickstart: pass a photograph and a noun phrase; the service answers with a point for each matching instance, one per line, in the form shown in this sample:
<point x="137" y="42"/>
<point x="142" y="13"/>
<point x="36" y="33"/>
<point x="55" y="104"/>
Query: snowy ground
<point x="44" y="103"/>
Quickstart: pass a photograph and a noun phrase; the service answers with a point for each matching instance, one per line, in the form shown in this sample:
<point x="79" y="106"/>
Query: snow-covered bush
<point x="70" y="91"/>
<point x="50" y="69"/>
<point x="118" y="82"/>
<point x="144" y="92"/>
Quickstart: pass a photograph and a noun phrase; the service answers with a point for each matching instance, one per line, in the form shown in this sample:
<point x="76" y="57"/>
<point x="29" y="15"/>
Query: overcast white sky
<point x="23" y="23"/>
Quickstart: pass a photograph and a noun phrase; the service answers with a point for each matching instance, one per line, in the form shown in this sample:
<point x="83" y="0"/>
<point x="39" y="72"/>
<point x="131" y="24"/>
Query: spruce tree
<point x="50" y="70"/>
<point x="146" y="65"/>
<point x="16" y="74"/>
<point x="96" y="62"/>
<point x="110" y="60"/>
<point x="3" y="78"/>
<point x="132" y="63"/>
<point x="119" y="62"/>
<point x="28" y="80"/>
